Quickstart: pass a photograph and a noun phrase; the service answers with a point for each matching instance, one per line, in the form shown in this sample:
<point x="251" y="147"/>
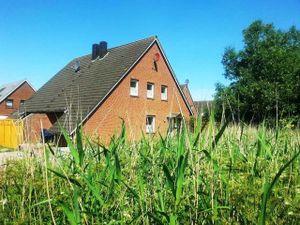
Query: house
<point x="186" y="91"/>
<point x="134" y="82"/>
<point x="12" y="95"/>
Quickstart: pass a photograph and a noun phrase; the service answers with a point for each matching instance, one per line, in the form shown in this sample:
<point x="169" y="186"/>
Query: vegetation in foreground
<point x="233" y="175"/>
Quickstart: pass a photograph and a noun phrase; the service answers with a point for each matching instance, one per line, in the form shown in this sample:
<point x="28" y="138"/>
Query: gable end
<point x="128" y="71"/>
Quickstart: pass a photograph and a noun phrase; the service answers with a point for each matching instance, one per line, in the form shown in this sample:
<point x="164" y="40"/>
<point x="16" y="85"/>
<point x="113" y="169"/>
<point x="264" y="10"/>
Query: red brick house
<point x="12" y="95"/>
<point x="134" y="81"/>
<point x="186" y="91"/>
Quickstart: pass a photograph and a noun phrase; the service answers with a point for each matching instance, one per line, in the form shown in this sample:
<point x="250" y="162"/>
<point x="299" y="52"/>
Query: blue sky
<point x="37" y="38"/>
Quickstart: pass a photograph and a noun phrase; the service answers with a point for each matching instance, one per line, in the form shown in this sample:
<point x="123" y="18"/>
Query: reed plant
<point x="219" y="174"/>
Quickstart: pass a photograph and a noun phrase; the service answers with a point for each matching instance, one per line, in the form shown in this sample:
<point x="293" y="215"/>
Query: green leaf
<point x="219" y="134"/>
<point x="94" y="189"/>
<point x="79" y="146"/>
<point x="181" y="166"/>
<point x="42" y="202"/>
<point x="173" y="220"/>
<point x="72" y="180"/>
<point x="268" y="189"/>
<point x="72" y="148"/>
<point x="196" y="141"/>
<point x="70" y="215"/>
<point x="118" y="167"/>
<point x="170" y="180"/>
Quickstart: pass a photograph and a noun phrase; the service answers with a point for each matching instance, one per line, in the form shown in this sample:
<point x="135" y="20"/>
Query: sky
<point x="38" y="38"/>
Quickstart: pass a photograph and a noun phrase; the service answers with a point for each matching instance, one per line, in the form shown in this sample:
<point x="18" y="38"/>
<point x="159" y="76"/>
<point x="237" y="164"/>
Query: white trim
<point x="126" y="73"/>
<point x="107" y="53"/>
<point x="150" y="128"/>
<point x="134" y="92"/>
<point x="30" y="85"/>
<point x="150" y="93"/>
<point x="21" y="83"/>
<point x="164" y="95"/>
<point x="99" y="59"/>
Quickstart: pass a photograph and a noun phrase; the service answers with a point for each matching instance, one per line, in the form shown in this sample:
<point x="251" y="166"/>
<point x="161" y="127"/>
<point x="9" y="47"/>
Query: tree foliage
<point x="264" y="75"/>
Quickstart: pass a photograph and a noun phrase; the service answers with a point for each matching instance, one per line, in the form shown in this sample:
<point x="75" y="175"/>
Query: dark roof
<point x="79" y="92"/>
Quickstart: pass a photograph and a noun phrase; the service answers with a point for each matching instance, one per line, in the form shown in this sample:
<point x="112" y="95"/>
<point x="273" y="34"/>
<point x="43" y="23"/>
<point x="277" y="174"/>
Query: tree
<point x="264" y="75"/>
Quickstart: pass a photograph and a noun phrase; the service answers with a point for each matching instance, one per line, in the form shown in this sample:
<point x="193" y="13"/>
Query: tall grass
<point x="217" y="175"/>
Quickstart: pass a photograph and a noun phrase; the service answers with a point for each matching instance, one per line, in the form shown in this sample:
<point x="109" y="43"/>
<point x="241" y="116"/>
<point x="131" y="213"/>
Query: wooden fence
<point x="11" y="133"/>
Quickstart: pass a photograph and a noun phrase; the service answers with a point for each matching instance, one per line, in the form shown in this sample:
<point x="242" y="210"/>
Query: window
<point x="22" y="102"/>
<point x="164" y="92"/>
<point x="150" y="90"/>
<point x="134" y="87"/>
<point x="9" y="103"/>
<point x="150" y="124"/>
<point x="175" y="123"/>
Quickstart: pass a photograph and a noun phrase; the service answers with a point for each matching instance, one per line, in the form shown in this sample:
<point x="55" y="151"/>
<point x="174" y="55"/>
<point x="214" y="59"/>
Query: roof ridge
<point x="130" y="43"/>
<point x="14" y="82"/>
<point x="11" y="86"/>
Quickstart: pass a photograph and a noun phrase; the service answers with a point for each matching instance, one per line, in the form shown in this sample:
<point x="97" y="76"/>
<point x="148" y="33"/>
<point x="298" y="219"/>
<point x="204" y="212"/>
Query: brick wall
<point x="22" y="93"/>
<point x="32" y="127"/>
<point x="106" y="121"/>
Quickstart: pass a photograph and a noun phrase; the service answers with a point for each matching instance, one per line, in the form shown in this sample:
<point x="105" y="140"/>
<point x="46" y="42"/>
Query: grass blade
<point x="268" y="188"/>
<point x="72" y="180"/>
<point x="170" y="180"/>
<point x="219" y="134"/>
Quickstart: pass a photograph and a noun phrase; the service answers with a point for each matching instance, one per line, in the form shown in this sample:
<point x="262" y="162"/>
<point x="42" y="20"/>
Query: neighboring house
<point x="186" y="91"/>
<point x="13" y="95"/>
<point x="134" y="82"/>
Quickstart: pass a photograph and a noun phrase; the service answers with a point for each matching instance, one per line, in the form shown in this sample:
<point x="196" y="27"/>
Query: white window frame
<point x="134" y="91"/>
<point x="150" y="93"/>
<point x="150" y="128"/>
<point x="164" y="96"/>
<point x="7" y="103"/>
